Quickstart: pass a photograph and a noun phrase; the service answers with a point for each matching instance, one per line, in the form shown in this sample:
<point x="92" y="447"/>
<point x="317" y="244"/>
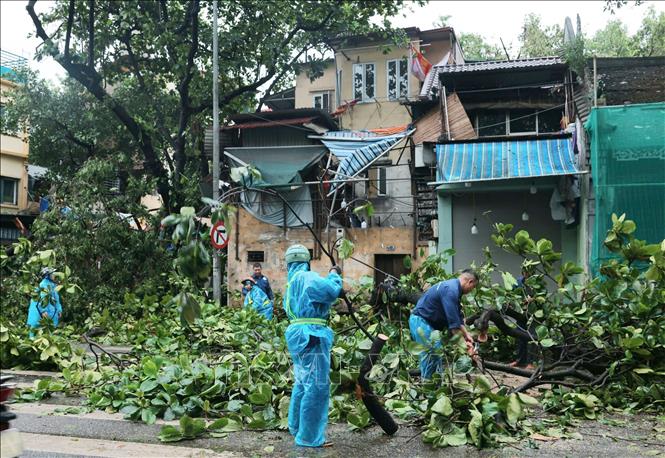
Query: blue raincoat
<point x="307" y="302"/>
<point x="259" y="301"/>
<point x="49" y="302"/>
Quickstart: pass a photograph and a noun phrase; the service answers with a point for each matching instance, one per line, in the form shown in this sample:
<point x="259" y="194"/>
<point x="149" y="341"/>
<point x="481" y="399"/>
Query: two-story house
<point x="15" y="183"/>
<point x="521" y="165"/>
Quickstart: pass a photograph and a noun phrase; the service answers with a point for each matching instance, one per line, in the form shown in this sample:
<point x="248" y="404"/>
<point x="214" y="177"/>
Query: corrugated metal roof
<point x="493" y="65"/>
<point x="500" y="160"/>
<point x="270" y="123"/>
<point x="432" y="81"/>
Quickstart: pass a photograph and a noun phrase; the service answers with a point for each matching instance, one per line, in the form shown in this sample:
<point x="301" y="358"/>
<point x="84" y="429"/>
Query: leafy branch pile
<point x="222" y="370"/>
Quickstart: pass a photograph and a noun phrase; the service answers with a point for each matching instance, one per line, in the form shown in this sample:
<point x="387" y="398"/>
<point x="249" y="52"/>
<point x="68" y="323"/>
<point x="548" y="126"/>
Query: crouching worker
<point x="307" y="301"/>
<point x="258" y="300"/>
<point x="48" y="305"/>
<point x="439" y="308"/>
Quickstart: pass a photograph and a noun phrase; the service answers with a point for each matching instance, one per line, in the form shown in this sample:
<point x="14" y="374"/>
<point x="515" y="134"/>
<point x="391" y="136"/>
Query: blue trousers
<point x="308" y="410"/>
<point x="429" y="361"/>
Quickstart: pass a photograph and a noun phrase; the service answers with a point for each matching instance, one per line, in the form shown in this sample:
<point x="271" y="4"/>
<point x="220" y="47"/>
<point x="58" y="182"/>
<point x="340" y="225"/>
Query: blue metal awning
<point x="502" y="160"/>
<point x="357" y="154"/>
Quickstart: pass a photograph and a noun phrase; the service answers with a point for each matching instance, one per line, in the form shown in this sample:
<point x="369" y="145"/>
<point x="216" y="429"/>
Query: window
<point x="322" y="101"/>
<point x="381" y="182"/>
<point x="363" y="82"/>
<point x="9" y="190"/>
<point x="398" y="79"/>
<point x="522" y="122"/>
<point x="491" y="123"/>
<point x="515" y="122"/>
<point x="255" y="256"/>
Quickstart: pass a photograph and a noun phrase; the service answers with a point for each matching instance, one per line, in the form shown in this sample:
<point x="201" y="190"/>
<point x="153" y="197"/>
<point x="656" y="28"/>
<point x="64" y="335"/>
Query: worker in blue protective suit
<point x="307" y="301"/>
<point x="257" y="299"/>
<point x="48" y="305"/>
<point x="261" y="281"/>
<point x="439" y="308"/>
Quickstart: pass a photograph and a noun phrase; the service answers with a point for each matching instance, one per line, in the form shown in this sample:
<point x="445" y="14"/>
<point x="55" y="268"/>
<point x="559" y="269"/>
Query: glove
<point x="336" y="269"/>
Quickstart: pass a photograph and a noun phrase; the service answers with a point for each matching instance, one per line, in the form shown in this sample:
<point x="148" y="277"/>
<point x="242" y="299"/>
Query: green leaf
<point x="188" y="211"/>
<point x="148" y="385"/>
<point x="345" y="249"/>
<point x="508" y="280"/>
<point x="443" y="406"/>
<point x="170" y="433"/>
<point x="475" y="427"/>
<point x="528" y="400"/>
<point x="456" y="438"/>
<point x="643" y="370"/>
<point x="546" y="343"/>
<point x="150" y="368"/>
<point x="513" y="409"/>
<point x="148" y="416"/>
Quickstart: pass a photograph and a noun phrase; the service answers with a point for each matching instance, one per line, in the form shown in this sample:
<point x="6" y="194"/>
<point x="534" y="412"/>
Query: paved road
<point x="47" y="432"/>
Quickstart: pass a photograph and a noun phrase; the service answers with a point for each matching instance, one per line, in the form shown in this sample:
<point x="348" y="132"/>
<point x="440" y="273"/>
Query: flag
<point x="420" y="66"/>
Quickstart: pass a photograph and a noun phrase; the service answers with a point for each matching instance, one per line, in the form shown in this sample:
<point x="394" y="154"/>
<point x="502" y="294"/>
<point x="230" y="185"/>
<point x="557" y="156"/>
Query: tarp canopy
<point x="358" y="150"/>
<point x="280" y="167"/>
<point x="504" y="159"/>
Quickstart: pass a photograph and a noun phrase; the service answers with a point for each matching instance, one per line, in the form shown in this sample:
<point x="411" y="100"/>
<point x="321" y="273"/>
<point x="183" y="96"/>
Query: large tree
<point x="149" y="62"/>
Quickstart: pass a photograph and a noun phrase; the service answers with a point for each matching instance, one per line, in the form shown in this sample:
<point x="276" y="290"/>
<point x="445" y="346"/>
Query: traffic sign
<point x="218" y="236"/>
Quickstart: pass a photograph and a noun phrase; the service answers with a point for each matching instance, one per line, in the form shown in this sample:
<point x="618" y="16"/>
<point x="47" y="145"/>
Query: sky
<point x="492" y="19"/>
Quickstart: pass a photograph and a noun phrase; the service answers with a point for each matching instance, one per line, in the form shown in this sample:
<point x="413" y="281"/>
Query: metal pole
<point x="595" y="83"/>
<point x="445" y="104"/>
<point x="216" y="264"/>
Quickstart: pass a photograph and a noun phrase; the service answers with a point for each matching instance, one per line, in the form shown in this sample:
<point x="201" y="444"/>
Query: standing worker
<point x="48" y="305"/>
<point x="255" y="298"/>
<point x="307" y="301"/>
<point x="261" y="281"/>
<point x="439" y="308"/>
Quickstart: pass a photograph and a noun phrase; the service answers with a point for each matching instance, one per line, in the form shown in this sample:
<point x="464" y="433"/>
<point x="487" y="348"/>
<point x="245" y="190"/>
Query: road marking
<point x="112" y="449"/>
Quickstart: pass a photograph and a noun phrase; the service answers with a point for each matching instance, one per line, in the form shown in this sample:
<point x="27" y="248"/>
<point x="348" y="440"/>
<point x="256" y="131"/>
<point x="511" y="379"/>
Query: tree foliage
<point x="475" y="47"/>
<point x="149" y="63"/>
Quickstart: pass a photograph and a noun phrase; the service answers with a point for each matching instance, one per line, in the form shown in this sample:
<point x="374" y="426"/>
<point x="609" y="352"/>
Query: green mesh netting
<point x="628" y="170"/>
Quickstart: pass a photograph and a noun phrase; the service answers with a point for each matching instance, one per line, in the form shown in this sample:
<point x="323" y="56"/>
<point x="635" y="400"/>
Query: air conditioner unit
<point x="340" y="233"/>
<point x="419" y="156"/>
<point x="424" y="155"/>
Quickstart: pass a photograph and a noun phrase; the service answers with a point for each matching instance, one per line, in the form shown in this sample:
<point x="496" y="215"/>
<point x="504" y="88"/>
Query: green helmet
<point x="297" y="253"/>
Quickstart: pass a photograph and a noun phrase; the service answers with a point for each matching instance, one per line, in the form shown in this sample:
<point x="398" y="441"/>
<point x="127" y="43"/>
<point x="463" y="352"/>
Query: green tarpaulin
<point x="281" y="169"/>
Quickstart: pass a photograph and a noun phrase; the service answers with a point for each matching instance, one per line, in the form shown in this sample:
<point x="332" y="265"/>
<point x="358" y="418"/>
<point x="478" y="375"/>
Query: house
<point x="352" y="125"/>
<point x="509" y="152"/>
<point x="18" y="205"/>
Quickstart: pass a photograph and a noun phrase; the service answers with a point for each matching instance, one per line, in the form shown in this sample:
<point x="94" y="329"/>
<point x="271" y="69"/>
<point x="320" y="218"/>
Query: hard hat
<point x="46" y="271"/>
<point x="297" y="253"/>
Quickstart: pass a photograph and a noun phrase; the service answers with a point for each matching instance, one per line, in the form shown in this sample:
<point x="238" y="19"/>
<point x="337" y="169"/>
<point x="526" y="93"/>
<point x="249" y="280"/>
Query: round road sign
<point x="218" y="236"/>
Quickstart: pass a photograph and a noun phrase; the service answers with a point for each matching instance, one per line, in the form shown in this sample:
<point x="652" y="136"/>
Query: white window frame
<point x="379" y="178"/>
<point x="408" y="80"/>
<point x="476" y="126"/>
<point x="363" y="89"/>
<point x="322" y="94"/>
<point x="4" y="181"/>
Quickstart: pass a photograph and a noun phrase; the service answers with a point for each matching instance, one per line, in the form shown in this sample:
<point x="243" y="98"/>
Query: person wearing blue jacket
<point x="439" y="308"/>
<point x="261" y="281"/>
<point x="257" y="299"/>
<point x="307" y="301"/>
<point x="48" y="305"/>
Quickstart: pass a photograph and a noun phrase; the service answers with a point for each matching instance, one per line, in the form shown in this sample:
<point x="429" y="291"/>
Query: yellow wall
<point x="305" y="89"/>
<point x="14" y="158"/>
<point x="373" y="114"/>
<point x="257" y="236"/>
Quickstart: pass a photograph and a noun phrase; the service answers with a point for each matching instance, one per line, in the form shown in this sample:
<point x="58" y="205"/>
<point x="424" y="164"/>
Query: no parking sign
<point x="218" y="236"/>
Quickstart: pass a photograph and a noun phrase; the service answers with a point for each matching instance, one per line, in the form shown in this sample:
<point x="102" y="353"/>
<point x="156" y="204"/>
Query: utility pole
<point x="216" y="267"/>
